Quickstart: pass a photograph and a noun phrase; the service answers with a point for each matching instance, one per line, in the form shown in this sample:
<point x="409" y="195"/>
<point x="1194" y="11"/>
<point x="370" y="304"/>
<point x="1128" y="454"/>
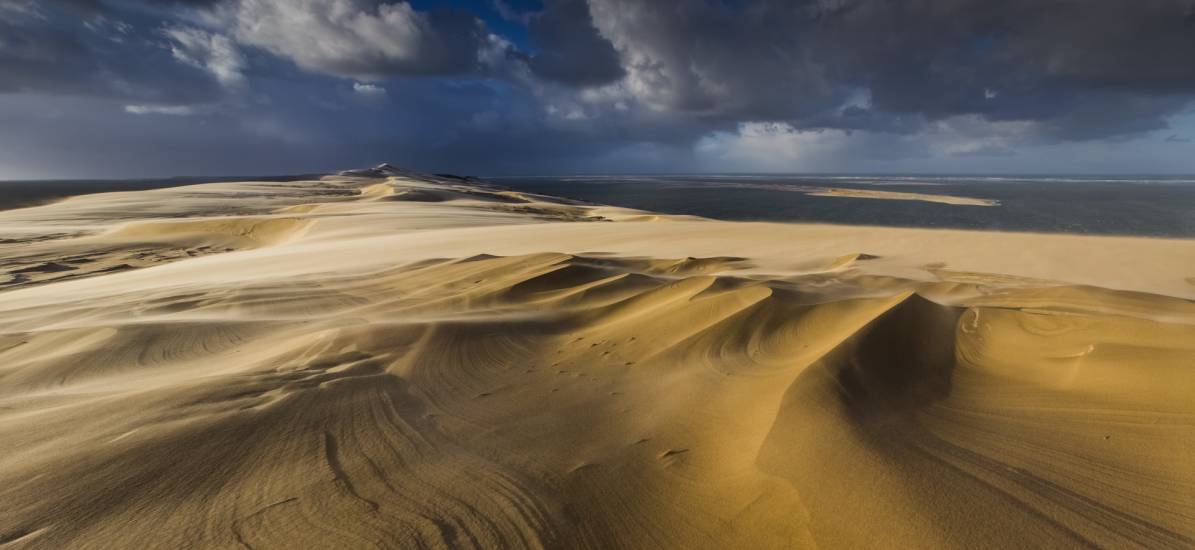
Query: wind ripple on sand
<point x="585" y="400"/>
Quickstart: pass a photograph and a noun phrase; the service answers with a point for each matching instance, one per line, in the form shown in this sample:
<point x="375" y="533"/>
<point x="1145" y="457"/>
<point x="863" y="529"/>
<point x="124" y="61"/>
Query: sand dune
<point x="384" y="359"/>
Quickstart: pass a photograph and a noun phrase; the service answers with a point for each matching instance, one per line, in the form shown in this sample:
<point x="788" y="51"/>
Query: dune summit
<point x="388" y="359"/>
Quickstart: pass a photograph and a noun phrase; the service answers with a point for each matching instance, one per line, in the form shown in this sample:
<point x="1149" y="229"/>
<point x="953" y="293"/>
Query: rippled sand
<point x="384" y="359"/>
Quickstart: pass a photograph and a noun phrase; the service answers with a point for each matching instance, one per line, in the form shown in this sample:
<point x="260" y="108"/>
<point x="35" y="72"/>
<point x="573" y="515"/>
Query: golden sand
<point x="405" y="361"/>
<point x="902" y="196"/>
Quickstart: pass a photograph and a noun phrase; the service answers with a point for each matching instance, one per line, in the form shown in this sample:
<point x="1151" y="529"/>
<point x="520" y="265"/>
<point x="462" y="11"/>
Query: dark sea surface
<point x="1160" y="206"/>
<point x="1107" y="205"/>
<point x="20" y="193"/>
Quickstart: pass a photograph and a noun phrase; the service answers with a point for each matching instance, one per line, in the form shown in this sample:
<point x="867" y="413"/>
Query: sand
<point x="902" y="196"/>
<point x="384" y="359"/>
<point x="852" y="193"/>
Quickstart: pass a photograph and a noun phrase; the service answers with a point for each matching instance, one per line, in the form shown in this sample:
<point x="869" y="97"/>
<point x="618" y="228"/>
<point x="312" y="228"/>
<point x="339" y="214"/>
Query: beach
<point x="382" y="358"/>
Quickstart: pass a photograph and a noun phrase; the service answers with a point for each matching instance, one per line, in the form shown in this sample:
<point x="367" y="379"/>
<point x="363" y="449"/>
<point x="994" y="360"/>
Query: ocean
<point x="23" y="193"/>
<point x="1157" y="206"/>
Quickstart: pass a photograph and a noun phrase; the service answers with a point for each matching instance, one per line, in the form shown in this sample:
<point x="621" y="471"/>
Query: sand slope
<point x="383" y="359"/>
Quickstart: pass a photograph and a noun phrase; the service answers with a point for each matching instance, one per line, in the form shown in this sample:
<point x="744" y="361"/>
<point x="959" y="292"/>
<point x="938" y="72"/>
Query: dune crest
<point x="387" y="359"/>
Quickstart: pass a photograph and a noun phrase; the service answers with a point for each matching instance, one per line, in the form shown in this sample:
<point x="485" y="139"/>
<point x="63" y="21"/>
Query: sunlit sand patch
<point x="901" y="196"/>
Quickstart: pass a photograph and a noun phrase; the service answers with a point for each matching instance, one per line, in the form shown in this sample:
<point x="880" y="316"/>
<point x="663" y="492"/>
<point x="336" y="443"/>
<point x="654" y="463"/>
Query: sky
<point x="148" y="88"/>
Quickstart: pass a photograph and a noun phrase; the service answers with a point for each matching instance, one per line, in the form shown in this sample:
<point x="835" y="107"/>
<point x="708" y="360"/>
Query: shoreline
<point x="1149" y="211"/>
<point x="825" y="191"/>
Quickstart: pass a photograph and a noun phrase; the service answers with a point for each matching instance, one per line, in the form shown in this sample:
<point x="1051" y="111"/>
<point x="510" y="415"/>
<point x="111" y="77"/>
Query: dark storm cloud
<point x="51" y="48"/>
<point x="1088" y="69"/>
<point x="716" y="59"/>
<point x="1085" y="69"/>
<point x="570" y="49"/>
<point x="33" y="58"/>
<point x="582" y="79"/>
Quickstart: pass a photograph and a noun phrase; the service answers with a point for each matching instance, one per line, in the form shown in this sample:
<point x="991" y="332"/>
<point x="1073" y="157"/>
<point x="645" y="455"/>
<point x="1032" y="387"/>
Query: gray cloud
<point x="594" y="79"/>
<point x="357" y="38"/>
<point x="214" y="53"/>
<point x="713" y="59"/>
<point x="1083" y="69"/>
<point x="171" y="110"/>
<point x="570" y="49"/>
<point x="33" y="58"/>
<point x="73" y="48"/>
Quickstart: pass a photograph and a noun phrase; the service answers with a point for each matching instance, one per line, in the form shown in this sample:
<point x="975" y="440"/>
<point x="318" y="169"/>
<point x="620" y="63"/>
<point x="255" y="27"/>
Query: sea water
<point x="1159" y="206"/>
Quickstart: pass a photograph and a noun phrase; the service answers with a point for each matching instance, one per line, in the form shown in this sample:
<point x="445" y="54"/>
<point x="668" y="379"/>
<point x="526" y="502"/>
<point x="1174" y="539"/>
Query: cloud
<point x="211" y="52"/>
<point x="368" y="89"/>
<point x="357" y="38"/>
<point x="975" y="136"/>
<point x="512" y="13"/>
<point x="1085" y="70"/>
<point x="18" y="9"/>
<point x="780" y="147"/>
<point x="34" y="55"/>
<point x="1096" y="71"/>
<point x="572" y="84"/>
<point x="715" y="60"/>
<point x="570" y="49"/>
<point x="369" y="92"/>
<point x="72" y="48"/>
<point x="173" y="110"/>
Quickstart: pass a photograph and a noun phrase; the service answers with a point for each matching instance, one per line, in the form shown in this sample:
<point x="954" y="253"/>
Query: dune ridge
<point x="382" y="358"/>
